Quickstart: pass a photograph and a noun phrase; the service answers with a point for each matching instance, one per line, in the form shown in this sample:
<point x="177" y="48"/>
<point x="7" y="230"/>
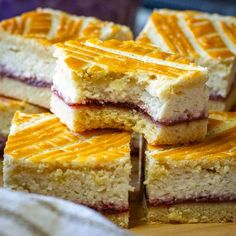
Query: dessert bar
<point x="208" y="39"/>
<point x="43" y="156"/>
<point x="26" y="61"/>
<point x="194" y="183"/>
<point x="130" y="86"/>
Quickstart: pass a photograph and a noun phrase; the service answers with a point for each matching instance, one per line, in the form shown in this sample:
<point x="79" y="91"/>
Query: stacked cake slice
<point x="110" y="84"/>
<point x="104" y="90"/>
<point x="26" y="61"/>
<point x="43" y="156"/>
<point x="195" y="183"/>
<point x="130" y="86"/>
<point x="209" y="40"/>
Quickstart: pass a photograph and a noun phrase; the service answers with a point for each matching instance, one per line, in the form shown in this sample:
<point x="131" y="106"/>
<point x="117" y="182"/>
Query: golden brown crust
<point x="8" y="107"/>
<point x="229" y="29"/>
<point x="51" y="26"/>
<point x="193" y="33"/>
<point x="209" y="39"/>
<point x="42" y="138"/>
<point x="167" y="25"/>
<point x="128" y="57"/>
<point x="218" y="144"/>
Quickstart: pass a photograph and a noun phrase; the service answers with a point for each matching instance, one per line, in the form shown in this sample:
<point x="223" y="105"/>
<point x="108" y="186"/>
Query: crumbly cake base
<point x="91" y="117"/>
<point x="193" y="213"/>
<point x="18" y="90"/>
<point x="224" y="105"/>
<point x="120" y="219"/>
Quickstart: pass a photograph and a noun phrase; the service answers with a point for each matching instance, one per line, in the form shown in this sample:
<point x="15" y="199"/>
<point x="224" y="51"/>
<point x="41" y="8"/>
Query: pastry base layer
<point x="121" y="219"/>
<point x="92" y="117"/>
<point x="93" y="187"/>
<point x="18" y="90"/>
<point x="193" y="213"/>
<point x="224" y="105"/>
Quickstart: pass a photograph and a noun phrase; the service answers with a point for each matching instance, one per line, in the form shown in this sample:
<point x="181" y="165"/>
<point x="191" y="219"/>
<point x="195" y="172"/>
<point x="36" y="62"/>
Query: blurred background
<point x="130" y="12"/>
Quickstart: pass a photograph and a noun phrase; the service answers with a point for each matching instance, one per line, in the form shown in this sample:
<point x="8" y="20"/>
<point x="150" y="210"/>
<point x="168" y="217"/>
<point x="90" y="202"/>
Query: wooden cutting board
<point x="186" y="230"/>
<point x="178" y="230"/>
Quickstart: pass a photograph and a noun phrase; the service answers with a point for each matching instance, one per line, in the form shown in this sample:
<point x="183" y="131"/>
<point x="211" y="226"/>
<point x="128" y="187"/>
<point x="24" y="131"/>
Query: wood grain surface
<point x="177" y="229"/>
<point x="185" y="230"/>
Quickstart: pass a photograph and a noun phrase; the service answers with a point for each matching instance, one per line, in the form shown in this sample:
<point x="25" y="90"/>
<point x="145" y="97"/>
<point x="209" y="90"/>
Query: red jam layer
<point x="135" y="107"/>
<point x="32" y="81"/>
<point x="108" y="208"/>
<point x="200" y="199"/>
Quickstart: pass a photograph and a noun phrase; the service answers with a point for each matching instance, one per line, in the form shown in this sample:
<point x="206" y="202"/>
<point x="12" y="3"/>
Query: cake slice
<point x="8" y="107"/>
<point x="130" y="86"/>
<point x="208" y="39"/>
<point x="26" y="61"/>
<point x="195" y="183"/>
<point x="43" y="156"/>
